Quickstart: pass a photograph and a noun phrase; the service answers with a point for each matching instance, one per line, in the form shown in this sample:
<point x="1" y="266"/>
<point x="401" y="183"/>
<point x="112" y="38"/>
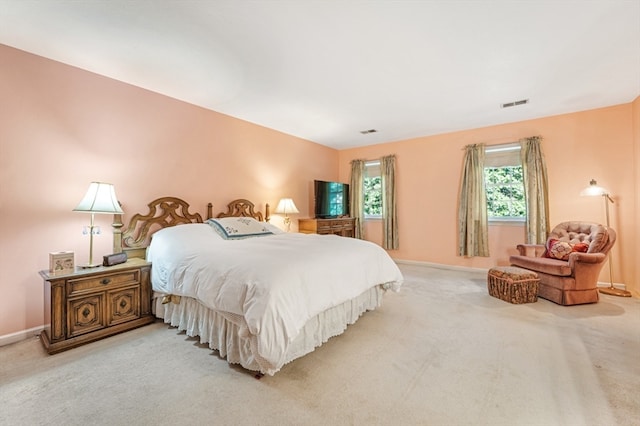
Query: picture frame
<point x="61" y="262"/>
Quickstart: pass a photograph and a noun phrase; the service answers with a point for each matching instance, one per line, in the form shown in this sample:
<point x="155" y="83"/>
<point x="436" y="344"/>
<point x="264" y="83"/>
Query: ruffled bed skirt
<point x="228" y="334"/>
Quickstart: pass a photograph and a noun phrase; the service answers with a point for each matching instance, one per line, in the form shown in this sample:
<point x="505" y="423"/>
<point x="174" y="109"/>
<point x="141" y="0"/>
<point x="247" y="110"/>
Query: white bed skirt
<point x="227" y="333"/>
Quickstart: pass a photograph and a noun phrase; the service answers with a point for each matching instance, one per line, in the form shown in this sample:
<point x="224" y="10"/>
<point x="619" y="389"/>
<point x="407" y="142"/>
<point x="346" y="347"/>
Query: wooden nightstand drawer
<point x="106" y="281"/>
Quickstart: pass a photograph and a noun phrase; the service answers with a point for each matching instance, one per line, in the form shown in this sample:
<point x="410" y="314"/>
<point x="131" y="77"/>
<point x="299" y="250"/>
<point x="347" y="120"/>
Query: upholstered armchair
<point x="570" y="262"/>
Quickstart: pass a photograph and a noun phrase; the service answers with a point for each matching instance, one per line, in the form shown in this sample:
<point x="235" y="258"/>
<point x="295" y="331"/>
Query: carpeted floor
<point x="440" y="352"/>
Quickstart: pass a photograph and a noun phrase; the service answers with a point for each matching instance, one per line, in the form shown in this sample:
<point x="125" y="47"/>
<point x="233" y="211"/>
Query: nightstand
<point x="90" y="304"/>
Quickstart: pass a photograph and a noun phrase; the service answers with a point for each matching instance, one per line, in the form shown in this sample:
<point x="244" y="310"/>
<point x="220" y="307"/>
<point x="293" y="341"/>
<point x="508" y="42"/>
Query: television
<point x="331" y="199"/>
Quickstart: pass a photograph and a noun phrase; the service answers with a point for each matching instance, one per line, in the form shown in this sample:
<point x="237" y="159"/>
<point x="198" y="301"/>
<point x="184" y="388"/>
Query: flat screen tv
<point x="331" y="199"/>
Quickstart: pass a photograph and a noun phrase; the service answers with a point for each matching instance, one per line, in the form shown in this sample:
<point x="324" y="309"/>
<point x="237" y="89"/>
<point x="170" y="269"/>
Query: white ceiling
<point x="324" y="70"/>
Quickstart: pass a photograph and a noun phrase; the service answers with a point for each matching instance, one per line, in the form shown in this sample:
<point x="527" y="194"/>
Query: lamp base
<point x="89" y="265"/>
<point x="615" y="291"/>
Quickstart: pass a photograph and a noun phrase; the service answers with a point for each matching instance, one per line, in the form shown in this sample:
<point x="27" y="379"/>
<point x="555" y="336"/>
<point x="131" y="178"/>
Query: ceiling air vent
<point x="366" y="132"/>
<point x="516" y="103"/>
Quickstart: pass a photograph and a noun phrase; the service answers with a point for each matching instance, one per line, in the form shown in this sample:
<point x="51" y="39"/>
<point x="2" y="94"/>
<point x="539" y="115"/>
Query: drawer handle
<point x="86" y="312"/>
<point x="106" y="281"/>
<point x="123" y="304"/>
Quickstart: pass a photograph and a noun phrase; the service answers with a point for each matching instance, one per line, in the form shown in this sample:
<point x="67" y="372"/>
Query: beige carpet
<point x="441" y="352"/>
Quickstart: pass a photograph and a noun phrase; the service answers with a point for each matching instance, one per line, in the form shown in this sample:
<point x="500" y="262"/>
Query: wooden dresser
<point x="90" y="304"/>
<point x="344" y="226"/>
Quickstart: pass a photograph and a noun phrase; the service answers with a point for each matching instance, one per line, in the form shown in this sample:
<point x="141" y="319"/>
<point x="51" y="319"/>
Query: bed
<point x="258" y="295"/>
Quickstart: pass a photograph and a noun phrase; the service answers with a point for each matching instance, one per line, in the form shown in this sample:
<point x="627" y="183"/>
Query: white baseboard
<point x="18" y="336"/>
<point x="442" y="266"/>
<point x="479" y="270"/>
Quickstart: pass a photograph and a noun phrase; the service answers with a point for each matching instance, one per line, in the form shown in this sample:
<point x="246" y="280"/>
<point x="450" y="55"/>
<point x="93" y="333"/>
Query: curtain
<point x="536" y="191"/>
<point x="473" y="238"/>
<point x="389" y="205"/>
<point x="356" y="203"/>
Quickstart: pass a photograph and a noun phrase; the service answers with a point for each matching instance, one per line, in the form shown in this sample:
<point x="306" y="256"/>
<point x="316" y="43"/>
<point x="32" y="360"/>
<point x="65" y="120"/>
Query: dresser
<point x="90" y="304"/>
<point x="344" y="226"/>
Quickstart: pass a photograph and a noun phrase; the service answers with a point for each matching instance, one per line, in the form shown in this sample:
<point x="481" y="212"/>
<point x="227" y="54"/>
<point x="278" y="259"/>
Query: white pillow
<point x="274" y="229"/>
<point x="236" y="228"/>
<point x="186" y="230"/>
<point x="165" y="242"/>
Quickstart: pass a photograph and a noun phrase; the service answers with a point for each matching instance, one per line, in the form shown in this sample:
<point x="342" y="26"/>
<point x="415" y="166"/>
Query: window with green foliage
<point x="372" y="190"/>
<point x="505" y="192"/>
<point x="504" y="183"/>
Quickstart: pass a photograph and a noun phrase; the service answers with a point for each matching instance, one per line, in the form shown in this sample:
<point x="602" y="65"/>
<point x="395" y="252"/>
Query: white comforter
<point x="274" y="283"/>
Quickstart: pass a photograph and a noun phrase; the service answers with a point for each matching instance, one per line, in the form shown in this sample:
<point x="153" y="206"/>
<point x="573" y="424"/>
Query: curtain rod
<point x="501" y="144"/>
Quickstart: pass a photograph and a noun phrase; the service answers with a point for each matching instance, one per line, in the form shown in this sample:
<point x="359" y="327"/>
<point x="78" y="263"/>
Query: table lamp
<point x="286" y="206"/>
<point x="100" y="198"/>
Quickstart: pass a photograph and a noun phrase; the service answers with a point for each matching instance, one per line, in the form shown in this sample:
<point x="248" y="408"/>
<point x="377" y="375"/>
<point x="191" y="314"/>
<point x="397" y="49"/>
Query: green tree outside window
<point x="373" y="196"/>
<point x="505" y="192"/>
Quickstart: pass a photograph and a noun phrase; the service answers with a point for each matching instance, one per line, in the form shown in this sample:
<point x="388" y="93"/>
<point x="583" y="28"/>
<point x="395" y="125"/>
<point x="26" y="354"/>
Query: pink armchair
<point x="570" y="263"/>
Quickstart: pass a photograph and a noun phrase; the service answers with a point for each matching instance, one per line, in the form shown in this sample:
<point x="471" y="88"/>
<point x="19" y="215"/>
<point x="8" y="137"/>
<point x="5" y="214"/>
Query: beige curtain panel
<point x="389" y="204"/>
<point x="473" y="225"/>
<point x="356" y="203"/>
<point x="536" y="190"/>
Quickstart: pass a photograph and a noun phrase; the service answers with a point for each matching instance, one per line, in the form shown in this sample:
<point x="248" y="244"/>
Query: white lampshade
<point x="100" y="198"/>
<point x="286" y="206"/>
<point x="593" y="190"/>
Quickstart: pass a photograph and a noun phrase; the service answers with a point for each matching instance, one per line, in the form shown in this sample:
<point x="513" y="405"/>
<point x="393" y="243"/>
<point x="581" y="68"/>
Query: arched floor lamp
<point x="594" y="190"/>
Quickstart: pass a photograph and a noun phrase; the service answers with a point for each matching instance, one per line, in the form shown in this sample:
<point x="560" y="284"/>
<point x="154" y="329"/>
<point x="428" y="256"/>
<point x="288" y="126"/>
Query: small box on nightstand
<point x="61" y="262"/>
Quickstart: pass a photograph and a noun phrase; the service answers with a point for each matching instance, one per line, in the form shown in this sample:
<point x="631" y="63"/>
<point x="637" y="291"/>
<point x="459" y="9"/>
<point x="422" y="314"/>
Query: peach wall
<point x="62" y="127"/>
<point x="595" y="144"/>
<point x="636" y="144"/>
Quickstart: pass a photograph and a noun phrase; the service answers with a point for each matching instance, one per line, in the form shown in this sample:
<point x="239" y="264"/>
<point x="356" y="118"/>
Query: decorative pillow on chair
<point x="562" y="249"/>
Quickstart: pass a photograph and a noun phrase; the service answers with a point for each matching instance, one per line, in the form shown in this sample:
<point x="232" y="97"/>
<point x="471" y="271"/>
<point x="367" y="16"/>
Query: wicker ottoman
<point x="513" y="285"/>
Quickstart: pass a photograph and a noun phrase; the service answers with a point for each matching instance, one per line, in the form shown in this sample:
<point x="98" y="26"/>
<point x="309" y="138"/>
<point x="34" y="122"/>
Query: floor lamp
<point x="594" y="190"/>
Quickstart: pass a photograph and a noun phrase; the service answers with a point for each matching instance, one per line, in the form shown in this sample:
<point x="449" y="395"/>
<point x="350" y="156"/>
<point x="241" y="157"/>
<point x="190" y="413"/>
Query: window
<point x="372" y="189"/>
<point x="504" y="183"/>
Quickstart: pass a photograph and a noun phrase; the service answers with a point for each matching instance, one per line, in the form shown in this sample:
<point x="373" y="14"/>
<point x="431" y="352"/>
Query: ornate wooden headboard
<point x="165" y="212"/>
<point x="245" y="208"/>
